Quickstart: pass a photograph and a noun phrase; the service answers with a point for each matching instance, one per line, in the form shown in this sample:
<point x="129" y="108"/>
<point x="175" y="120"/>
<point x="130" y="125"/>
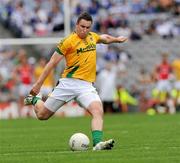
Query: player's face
<point x="83" y="28"/>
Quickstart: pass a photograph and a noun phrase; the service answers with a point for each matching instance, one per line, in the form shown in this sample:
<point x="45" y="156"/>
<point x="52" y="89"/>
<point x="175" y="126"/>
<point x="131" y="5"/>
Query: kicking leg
<point x="43" y="110"/>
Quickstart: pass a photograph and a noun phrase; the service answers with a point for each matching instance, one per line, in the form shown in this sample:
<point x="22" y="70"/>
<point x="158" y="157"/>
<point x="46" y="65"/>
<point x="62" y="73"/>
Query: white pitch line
<point x="36" y="152"/>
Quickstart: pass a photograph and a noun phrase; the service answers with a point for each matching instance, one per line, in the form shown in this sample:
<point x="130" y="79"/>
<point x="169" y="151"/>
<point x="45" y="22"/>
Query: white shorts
<point x="68" y="89"/>
<point x="45" y="90"/>
<point x="164" y="85"/>
<point x="177" y="85"/>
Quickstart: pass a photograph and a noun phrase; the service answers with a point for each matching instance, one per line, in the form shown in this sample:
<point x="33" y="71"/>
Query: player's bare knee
<point x="96" y="112"/>
<point x="98" y="115"/>
<point x="44" y="114"/>
<point x="41" y="117"/>
<point x="99" y="112"/>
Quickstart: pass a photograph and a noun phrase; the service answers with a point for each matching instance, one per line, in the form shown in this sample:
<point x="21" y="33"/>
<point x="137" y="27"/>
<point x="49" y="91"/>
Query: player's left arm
<point x="107" y="39"/>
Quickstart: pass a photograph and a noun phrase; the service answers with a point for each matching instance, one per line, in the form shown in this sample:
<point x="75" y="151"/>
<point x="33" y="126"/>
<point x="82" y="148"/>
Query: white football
<point x="79" y="142"/>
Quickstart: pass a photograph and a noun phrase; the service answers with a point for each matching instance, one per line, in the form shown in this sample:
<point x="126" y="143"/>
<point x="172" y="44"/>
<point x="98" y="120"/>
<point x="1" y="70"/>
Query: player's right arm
<point x="55" y="59"/>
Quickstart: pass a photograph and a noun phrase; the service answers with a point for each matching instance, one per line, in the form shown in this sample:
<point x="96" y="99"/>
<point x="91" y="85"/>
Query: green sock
<point x="35" y="99"/>
<point x="97" y="136"/>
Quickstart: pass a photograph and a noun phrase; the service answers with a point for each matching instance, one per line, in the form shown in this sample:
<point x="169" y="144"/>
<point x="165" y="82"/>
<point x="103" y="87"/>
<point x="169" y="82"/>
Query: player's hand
<point x="32" y="92"/>
<point x="35" y="89"/>
<point x="122" y="39"/>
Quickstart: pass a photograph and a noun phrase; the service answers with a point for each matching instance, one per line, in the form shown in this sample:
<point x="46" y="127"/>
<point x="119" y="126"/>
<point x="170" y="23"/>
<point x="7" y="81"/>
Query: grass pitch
<point x="139" y="139"/>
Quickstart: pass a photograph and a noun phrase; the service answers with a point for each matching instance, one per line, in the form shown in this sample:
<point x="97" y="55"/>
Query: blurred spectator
<point x="56" y="19"/>
<point x="49" y="82"/>
<point x="124" y="31"/>
<point x="144" y="78"/>
<point x="151" y="29"/>
<point x="176" y="11"/>
<point x="106" y="82"/>
<point x="17" y="19"/>
<point x="23" y="75"/>
<point x="94" y="7"/>
<point x="135" y="36"/>
<point x="123" y="61"/>
<point x="123" y="99"/>
<point x="176" y="88"/>
<point x="144" y="101"/>
<point x="162" y="74"/>
<point x="163" y="88"/>
<point x="110" y="22"/>
<point x="111" y="55"/>
<point x="165" y="28"/>
<point x="6" y="67"/>
<point x="78" y="9"/>
<point x="28" y="18"/>
<point x="165" y="5"/>
<point x="151" y="7"/>
<point x="120" y="8"/>
<point x="40" y="22"/>
<point x="137" y="6"/>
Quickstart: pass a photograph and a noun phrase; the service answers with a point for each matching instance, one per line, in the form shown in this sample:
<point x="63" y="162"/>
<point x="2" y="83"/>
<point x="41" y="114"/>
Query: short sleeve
<point x="96" y="36"/>
<point x="63" y="47"/>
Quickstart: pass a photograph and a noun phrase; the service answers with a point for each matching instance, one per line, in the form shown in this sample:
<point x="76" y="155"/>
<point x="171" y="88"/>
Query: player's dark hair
<point x="85" y="16"/>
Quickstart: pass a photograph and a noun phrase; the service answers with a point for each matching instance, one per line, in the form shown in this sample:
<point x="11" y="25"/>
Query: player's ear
<point x="77" y="23"/>
<point x="76" y="26"/>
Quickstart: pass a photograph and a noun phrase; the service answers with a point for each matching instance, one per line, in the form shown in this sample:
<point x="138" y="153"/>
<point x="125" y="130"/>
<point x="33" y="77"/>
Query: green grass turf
<point x="139" y="139"/>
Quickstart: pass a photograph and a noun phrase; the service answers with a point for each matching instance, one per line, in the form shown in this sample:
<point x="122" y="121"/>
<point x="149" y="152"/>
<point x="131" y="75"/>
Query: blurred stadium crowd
<point x="155" y="87"/>
<point x="43" y="17"/>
